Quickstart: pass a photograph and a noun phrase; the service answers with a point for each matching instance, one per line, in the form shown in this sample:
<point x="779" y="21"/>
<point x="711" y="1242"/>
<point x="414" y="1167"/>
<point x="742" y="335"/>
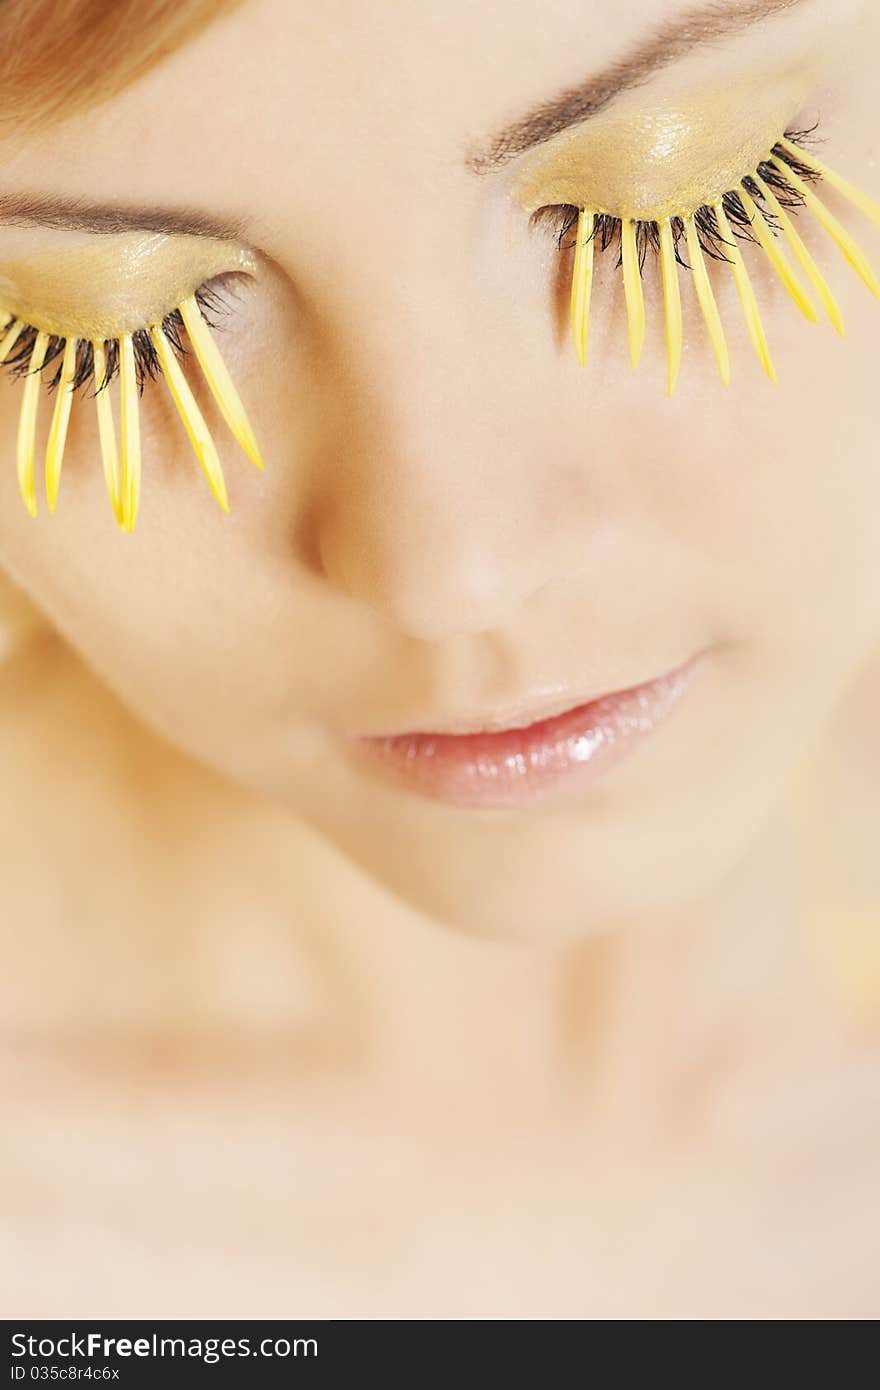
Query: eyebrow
<point x="696" y="28"/>
<point x="76" y="214"/>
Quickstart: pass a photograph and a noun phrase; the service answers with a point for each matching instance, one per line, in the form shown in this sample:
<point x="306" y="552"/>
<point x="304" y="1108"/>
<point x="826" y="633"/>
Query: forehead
<point x="285" y="105"/>
<point x="314" y="73"/>
<point x="393" y="68"/>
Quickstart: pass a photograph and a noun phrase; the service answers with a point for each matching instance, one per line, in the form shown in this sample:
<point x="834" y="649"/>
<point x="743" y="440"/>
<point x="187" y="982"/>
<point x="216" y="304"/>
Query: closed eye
<point x="759" y="211"/>
<point x="151" y="353"/>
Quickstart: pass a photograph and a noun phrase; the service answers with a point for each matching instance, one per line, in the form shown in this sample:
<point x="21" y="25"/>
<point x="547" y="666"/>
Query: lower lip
<point x="548" y="759"/>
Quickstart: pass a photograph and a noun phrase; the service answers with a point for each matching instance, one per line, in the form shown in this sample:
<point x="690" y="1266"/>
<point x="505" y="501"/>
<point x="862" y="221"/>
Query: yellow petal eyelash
<point x="706" y="296"/>
<point x="632" y="284"/>
<point x="27" y="423"/>
<point x="671" y="304"/>
<point x="194" y="422"/>
<point x="854" y="254"/>
<point x="745" y="292"/>
<point x="107" y="436"/>
<point x="218" y="378"/>
<point x="778" y="259"/>
<point x="122" y="465"/>
<point x="771" y="229"/>
<point x="805" y="260"/>
<point x="10" y="337"/>
<point x="60" y="419"/>
<point x="130" y="433"/>
<point x="855" y="195"/>
<point x="582" y="282"/>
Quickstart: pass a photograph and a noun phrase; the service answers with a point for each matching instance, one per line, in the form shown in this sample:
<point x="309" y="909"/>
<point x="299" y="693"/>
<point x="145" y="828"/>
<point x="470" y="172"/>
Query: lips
<point x="514" y="719"/>
<point x="521" y="762"/>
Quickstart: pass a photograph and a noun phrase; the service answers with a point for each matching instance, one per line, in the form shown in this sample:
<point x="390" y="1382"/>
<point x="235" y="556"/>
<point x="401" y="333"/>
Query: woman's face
<point x="455" y="516"/>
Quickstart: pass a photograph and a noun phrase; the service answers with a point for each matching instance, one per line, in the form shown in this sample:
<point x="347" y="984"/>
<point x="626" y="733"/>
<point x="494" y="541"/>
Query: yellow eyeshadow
<point x="710" y="156"/>
<point x="116" y="328"/>
<point x="676" y="156"/>
<point x="115" y="285"/>
<point x="752" y="212"/>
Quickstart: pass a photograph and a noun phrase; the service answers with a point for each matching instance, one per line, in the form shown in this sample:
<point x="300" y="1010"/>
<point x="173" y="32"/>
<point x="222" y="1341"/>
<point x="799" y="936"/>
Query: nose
<point x="440" y="503"/>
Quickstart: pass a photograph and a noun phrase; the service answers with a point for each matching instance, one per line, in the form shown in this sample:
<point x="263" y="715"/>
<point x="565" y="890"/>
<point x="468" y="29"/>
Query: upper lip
<point x="521" y="715"/>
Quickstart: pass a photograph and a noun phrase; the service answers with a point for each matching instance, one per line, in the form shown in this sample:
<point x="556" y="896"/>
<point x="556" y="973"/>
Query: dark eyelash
<point x="147" y="365"/>
<point x="606" y="229"/>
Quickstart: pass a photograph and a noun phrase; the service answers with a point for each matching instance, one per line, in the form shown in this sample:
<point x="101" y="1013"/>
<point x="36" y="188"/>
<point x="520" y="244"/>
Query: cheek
<point x="772" y="490"/>
<point x="799" y="531"/>
<point x="174" y="615"/>
<point x="190" y="642"/>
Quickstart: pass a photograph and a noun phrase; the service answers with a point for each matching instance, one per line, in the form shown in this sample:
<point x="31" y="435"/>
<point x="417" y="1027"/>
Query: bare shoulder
<point x="227" y="1189"/>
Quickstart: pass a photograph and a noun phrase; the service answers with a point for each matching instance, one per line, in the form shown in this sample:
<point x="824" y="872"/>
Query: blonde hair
<point x="61" y="56"/>
<point x="58" y="57"/>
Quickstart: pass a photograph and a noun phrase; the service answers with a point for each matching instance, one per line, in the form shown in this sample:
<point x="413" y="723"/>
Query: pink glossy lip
<point x="514" y="766"/>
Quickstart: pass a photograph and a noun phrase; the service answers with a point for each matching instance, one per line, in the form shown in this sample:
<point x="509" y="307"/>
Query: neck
<point x="329" y="974"/>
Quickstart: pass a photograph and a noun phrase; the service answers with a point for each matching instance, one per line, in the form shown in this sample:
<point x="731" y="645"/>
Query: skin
<point x="668" y="155"/>
<point x="106" y="286"/>
<point x="653" y="996"/>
